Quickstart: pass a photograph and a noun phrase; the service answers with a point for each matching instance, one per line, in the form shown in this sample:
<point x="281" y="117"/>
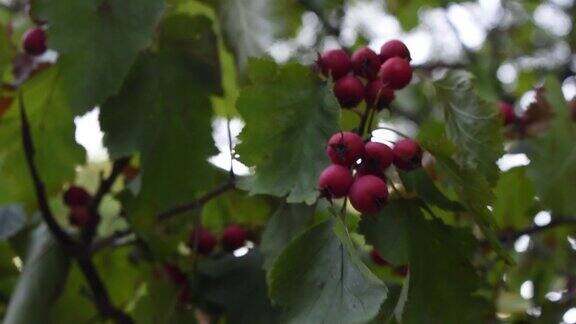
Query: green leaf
<point x="473" y="191"/>
<point x="472" y="124"/>
<point x="52" y="128"/>
<point x="41" y="282"/>
<point x="97" y="41"/>
<point x="12" y="220"/>
<point x="514" y="198"/>
<point x="228" y="282"/>
<point x="7" y="50"/>
<point x="420" y="182"/>
<point x="250" y="27"/>
<point x="163" y="111"/>
<point x="442" y="282"/>
<point x="286" y="223"/>
<point x="320" y="278"/>
<point x="289" y="118"/>
<point x="389" y="233"/>
<point x="553" y="157"/>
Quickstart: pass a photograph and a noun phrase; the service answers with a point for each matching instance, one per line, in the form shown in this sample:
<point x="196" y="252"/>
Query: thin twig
<point x="198" y="202"/>
<point x="89" y="231"/>
<point x="231" y="149"/>
<point x="116" y="238"/>
<point x="78" y="251"/>
<point x="513" y="236"/>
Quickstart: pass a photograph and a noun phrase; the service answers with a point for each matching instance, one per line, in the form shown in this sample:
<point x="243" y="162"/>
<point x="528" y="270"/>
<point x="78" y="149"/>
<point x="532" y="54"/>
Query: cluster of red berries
<point x="367" y="189"/>
<point x="204" y="242"/>
<point x="78" y="200"/>
<point x="508" y="115"/>
<point x="374" y="77"/>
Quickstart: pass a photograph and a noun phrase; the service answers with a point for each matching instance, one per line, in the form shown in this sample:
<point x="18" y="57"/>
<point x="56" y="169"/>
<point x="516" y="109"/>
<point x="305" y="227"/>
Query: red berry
<point x="203" y="241"/>
<point x="365" y="63"/>
<point x="79" y="216"/>
<point x="233" y="237"/>
<point x="394" y="48"/>
<point x="76" y="196"/>
<point x="335" y="181"/>
<point x="335" y="62"/>
<point x="507" y="112"/>
<point x="368" y="194"/>
<point x="345" y="148"/>
<point x="395" y="73"/>
<point x="378" y="156"/>
<point x="407" y="154"/>
<point x="349" y="91"/>
<point x="377" y="258"/>
<point x="378" y="95"/>
<point x="34" y="41"/>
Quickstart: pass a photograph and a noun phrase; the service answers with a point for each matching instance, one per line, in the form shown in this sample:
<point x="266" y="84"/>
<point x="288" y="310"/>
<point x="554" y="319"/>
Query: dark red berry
<point x="233" y="237"/>
<point x="349" y="91"/>
<point x="335" y="181"/>
<point x="395" y="73"/>
<point x="202" y="241"/>
<point x="378" y="156"/>
<point x="335" y="62"/>
<point x="378" y="95"/>
<point x="507" y="112"/>
<point x="79" y="216"/>
<point x="365" y="63"/>
<point x="368" y="194"/>
<point x="76" y="196"/>
<point x="407" y="154"/>
<point x="377" y="258"/>
<point x="394" y="48"/>
<point x="34" y="41"/>
<point x="345" y="148"/>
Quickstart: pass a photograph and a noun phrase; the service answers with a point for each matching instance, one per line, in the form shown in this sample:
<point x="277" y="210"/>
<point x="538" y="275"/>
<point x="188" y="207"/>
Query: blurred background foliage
<point x="150" y="54"/>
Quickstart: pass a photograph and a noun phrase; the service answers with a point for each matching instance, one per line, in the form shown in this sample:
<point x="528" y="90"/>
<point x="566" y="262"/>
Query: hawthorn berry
<point x="507" y="112"/>
<point x="345" y="148"/>
<point x="34" y="41"/>
<point x="335" y="181"/>
<point x="378" y="156"/>
<point x="202" y="240"/>
<point x="394" y="48"/>
<point x="407" y="154"/>
<point x="368" y="194"/>
<point x="233" y="237"/>
<point x="335" y="62"/>
<point x="76" y="196"/>
<point x="79" y="216"/>
<point x="395" y="73"/>
<point x="378" y="95"/>
<point x="377" y="258"/>
<point x="349" y="91"/>
<point x="365" y="63"/>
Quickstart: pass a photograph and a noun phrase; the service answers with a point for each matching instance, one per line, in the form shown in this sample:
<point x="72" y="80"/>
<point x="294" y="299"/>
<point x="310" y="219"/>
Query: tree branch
<point x="39" y="187"/>
<point x="115" y="239"/>
<point x="513" y="236"/>
<point x="77" y="251"/>
<point x="198" y="202"/>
